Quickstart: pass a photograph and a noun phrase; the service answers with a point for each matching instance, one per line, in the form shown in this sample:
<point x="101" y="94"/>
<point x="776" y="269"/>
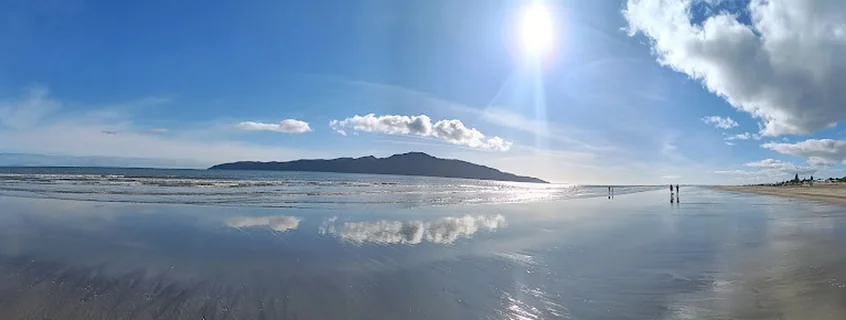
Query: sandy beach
<point x="830" y="192"/>
<point x="715" y="255"/>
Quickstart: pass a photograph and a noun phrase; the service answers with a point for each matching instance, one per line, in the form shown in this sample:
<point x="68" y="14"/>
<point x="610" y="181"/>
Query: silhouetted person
<point x="671" y="193"/>
<point x="677" y="193"/>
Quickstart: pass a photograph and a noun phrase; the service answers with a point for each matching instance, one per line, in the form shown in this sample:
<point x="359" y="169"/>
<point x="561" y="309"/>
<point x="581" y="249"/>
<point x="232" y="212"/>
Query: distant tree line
<point x="796" y="181"/>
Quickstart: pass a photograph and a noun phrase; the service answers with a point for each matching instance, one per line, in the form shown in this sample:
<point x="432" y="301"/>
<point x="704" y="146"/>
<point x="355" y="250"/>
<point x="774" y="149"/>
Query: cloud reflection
<point x="443" y="231"/>
<point x="278" y="223"/>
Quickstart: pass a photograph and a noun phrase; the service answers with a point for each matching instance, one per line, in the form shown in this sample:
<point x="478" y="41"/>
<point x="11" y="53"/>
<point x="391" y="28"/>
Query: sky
<point x="575" y="91"/>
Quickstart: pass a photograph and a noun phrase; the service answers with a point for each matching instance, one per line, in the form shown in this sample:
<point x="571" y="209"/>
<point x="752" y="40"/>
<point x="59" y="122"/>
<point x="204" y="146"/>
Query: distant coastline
<point x="409" y="164"/>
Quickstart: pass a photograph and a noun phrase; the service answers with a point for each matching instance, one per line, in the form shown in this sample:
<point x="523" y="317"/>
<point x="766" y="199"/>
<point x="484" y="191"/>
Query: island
<point x="409" y="164"/>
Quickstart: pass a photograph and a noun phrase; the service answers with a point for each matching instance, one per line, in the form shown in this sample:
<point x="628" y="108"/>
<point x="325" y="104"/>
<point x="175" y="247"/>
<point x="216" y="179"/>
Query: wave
<point x="276" y="189"/>
<point x="171" y="181"/>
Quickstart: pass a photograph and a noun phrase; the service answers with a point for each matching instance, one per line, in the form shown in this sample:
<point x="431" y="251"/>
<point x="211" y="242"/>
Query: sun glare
<point x="536" y="29"/>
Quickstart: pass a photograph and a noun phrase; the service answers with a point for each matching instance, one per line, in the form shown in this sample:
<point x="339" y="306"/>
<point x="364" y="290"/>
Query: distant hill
<point x="410" y="164"/>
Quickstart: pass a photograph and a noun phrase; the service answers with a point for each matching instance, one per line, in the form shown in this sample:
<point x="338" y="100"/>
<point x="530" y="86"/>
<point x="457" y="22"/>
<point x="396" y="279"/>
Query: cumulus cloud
<point x="452" y="131"/>
<point x="817" y="151"/>
<point x="721" y="123"/>
<point x="786" y="67"/>
<point x="286" y="126"/>
<point x="443" y="231"/>
<point x="278" y="223"/>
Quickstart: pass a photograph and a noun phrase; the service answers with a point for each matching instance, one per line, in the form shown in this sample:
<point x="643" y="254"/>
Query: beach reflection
<point x="716" y="256"/>
<point x="443" y="231"/>
<point x="775" y="260"/>
<point x="277" y="223"/>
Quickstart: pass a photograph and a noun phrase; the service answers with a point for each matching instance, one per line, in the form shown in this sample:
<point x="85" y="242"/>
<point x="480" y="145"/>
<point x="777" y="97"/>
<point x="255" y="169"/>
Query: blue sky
<point x="622" y="96"/>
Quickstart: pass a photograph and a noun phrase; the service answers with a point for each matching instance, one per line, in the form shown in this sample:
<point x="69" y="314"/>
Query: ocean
<point x="88" y="243"/>
<point x="276" y="189"/>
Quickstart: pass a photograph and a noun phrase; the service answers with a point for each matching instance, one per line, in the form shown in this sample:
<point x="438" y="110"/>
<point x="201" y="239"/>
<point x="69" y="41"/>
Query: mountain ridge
<point x="409" y="164"/>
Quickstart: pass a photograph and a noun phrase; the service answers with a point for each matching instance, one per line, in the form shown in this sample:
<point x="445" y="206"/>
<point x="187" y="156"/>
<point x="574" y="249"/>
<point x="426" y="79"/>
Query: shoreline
<point x="835" y="193"/>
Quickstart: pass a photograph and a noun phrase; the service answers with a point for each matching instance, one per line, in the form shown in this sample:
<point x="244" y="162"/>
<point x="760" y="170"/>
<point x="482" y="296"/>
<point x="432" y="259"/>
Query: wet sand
<point x="832" y="193"/>
<point x="716" y="255"/>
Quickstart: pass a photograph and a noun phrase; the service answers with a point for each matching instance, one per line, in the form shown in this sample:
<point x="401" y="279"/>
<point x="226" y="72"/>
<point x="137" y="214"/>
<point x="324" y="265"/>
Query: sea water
<point x="276" y="189"/>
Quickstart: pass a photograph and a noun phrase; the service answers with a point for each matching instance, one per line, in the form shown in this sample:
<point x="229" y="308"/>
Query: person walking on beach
<point x="671" y="193"/>
<point x="677" y="193"/>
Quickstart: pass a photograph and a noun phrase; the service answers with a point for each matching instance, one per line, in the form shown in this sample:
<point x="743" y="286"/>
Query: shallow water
<point x="715" y="255"/>
<point x="277" y="189"/>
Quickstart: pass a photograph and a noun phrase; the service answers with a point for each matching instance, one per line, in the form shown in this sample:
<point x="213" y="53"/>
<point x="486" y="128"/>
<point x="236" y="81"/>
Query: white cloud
<point x="278" y="223"/>
<point x="452" y="131"/>
<point x="818" y="162"/>
<point x="820" y="150"/>
<point x="754" y="176"/>
<point x="787" y="68"/>
<point x="780" y="167"/>
<point x="84" y="136"/>
<point x="769" y="170"/>
<point x="29" y="110"/>
<point x="729" y="143"/>
<point x="739" y="136"/>
<point x="72" y="138"/>
<point x="721" y="123"/>
<point x="443" y="231"/>
<point x="583" y="138"/>
<point x="28" y="125"/>
<point x="742" y="136"/>
<point x="768" y="164"/>
<point x="286" y="126"/>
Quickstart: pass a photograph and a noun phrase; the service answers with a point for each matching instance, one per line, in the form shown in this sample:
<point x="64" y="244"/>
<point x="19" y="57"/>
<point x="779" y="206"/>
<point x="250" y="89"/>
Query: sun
<point x="536" y="29"/>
